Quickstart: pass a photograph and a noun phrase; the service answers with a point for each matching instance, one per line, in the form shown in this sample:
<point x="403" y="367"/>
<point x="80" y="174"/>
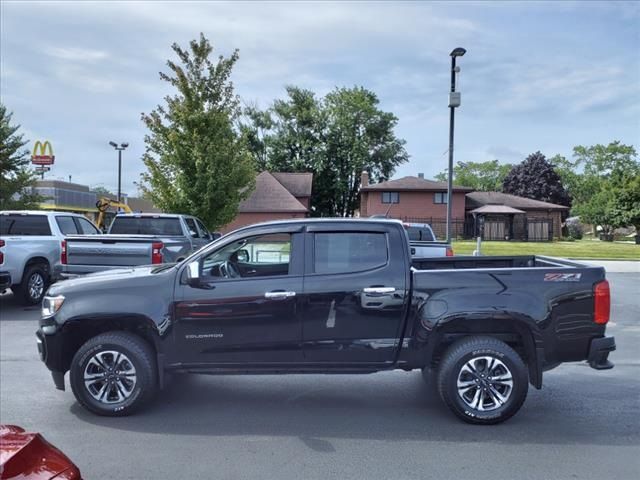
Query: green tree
<point x="603" y="179"/>
<point x="626" y="205"/>
<point x="16" y="185"/>
<point x="484" y="176"/>
<point x="102" y="191"/>
<point x="255" y="128"/>
<point x="359" y="136"/>
<point x="335" y="138"/>
<point x="197" y="161"/>
<point x="615" y="162"/>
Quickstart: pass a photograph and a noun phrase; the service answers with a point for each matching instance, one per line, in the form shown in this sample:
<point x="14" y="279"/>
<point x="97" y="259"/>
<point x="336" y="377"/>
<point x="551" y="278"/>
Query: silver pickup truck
<point x="31" y="249"/>
<point x="423" y="242"/>
<point x="135" y="239"/>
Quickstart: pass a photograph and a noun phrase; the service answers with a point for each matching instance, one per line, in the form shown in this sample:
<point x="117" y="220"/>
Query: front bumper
<point x="599" y="353"/>
<point x="50" y="351"/>
<point x="5" y="281"/>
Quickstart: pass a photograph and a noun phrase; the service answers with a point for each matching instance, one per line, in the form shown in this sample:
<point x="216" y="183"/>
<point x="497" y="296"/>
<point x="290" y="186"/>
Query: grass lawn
<point x="581" y="249"/>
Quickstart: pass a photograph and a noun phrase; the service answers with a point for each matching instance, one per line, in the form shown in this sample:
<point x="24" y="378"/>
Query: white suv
<point x="31" y="246"/>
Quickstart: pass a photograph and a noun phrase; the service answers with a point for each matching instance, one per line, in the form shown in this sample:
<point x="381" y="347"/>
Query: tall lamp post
<point x="119" y="148"/>
<point x="454" y="102"/>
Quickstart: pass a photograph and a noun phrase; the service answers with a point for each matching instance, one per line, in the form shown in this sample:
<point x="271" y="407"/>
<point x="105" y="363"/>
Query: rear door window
<point x="66" y="225"/>
<point x="347" y="252"/>
<point x="421" y="234"/>
<point x="86" y="227"/>
<point x="166" y="226"/>
<point x="203" y="229"/>
<point x="191" y="225"/>
<point x="26" y="225"/>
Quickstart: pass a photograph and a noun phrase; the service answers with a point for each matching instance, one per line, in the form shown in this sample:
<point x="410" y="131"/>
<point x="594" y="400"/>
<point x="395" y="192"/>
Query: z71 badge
<point x="562" y="277"/>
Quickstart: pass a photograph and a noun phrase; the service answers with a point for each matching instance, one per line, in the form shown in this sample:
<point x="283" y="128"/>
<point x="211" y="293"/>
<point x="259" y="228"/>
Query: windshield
<point x="166" y="226"/>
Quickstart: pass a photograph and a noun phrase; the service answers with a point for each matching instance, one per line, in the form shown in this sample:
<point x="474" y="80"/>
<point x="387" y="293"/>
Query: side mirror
<point x="193" y="274"/>
<point x="242" y="256"/>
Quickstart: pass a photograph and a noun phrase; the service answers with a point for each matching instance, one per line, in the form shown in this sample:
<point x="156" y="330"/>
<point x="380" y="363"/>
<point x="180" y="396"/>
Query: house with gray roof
<point x="509" y="216"/>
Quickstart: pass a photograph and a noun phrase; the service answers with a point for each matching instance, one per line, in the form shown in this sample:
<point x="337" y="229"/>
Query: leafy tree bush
<point x="483" y="176"/>
<point x="575" y="229"/>
<point x="17" y="179"/>
<point x="335" y="137"/>
<point x="197" y="162"/>
<point x="536" y="178"/>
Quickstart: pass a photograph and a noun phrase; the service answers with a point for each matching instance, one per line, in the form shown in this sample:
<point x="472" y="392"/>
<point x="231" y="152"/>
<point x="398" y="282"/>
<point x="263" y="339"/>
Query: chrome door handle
<point x="379" y="290"/>
<point x="279" y="295"/>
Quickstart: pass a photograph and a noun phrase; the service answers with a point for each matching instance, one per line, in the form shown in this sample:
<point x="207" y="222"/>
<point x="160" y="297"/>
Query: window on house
<point x="390" y="197"/>
<point x="440" y="197"/>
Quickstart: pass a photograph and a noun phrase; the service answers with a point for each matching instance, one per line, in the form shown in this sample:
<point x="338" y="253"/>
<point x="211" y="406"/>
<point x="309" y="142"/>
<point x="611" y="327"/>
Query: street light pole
<point x="119" y="148"/>
<point x="119" y="173"/>
<point x="454" y="102"/>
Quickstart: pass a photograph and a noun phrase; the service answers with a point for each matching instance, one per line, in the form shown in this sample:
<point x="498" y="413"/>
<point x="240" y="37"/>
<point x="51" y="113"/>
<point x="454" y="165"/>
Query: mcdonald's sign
<point x="42" y="153"/>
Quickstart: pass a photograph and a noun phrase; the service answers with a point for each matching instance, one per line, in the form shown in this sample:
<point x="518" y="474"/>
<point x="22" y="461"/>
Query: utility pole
<point x="454" y="102"/>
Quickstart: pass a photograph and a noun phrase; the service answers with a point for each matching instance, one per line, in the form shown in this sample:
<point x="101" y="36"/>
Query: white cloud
<point x="76" y="54"/>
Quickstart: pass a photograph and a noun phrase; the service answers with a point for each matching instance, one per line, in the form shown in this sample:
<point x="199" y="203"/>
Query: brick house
<point x="512" y="217"/>
<point x="276" y="196"/>
<point x="410" y="197"/>
<point x="414" y="199"/>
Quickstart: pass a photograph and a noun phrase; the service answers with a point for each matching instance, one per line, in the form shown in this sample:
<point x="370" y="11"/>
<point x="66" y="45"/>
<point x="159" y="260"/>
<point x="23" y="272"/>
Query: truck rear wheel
<point x="113" y="374"/>
<point x="482" y="380"/>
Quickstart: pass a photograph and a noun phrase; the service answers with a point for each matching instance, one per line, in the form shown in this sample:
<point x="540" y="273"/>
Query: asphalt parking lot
<point x="584" y="424"/>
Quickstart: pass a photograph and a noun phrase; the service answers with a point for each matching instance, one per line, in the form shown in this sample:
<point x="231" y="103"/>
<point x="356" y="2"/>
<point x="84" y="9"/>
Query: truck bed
<point x="471" y="262"/>
<point x="551" y="298"/>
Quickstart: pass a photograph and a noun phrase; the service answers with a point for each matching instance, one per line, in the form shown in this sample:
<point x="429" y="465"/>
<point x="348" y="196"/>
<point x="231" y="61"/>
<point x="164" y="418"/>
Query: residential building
<point x="512" y="217"/>
<point x="506" y="217"/>
<point x="276" y="196"/>
<point x="409" y="197"/>
<point x="414" y="199"/>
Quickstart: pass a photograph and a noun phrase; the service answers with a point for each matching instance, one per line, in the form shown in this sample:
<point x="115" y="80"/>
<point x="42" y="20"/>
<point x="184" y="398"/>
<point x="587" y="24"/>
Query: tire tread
<point x="143" y="353"/>
<point x="463" y="347"/>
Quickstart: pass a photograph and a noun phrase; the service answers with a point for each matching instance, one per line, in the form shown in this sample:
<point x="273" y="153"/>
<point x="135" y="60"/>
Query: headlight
<point x="50" y="305"/>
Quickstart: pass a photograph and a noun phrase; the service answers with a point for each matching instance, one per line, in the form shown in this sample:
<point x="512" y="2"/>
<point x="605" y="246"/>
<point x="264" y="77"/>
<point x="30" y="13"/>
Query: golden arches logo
<point x="42" y="153"/>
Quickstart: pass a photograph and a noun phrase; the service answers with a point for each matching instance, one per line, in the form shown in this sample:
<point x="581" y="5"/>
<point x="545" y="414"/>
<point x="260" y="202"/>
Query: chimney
<point x="364" y="179"/>
<point x="421" y="176"/>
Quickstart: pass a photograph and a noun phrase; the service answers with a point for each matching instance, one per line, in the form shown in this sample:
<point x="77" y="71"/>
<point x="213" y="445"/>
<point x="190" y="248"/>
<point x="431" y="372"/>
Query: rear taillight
<point x="156" y="252"/>
<point x="63" y="252"/>
<point x="601" y="302"/>
<point x="449" y="252"/>
<point x="1" y="253"/>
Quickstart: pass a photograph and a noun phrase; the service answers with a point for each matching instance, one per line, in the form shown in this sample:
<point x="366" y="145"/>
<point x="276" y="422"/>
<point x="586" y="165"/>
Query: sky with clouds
<point x="537" y="75"/>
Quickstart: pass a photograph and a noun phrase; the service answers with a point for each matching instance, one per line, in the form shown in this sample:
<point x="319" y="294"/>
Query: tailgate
<point x="429" y="249"/>
<point x="109" y="252"/>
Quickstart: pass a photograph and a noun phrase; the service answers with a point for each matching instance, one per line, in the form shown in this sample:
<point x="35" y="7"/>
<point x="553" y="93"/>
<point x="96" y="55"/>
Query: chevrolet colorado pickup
<point x="326" y="296"/>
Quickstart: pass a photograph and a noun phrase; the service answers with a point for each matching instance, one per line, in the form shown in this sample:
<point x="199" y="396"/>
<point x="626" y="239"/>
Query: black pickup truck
<point x="327" y="296"/>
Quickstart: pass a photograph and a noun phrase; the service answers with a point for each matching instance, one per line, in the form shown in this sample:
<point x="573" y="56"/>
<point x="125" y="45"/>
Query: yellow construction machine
<point x="105" y="204"/>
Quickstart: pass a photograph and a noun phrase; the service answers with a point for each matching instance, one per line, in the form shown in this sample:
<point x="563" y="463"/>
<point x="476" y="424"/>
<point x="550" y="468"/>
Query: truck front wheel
<point x="482" y="380"/>
<point x="113" y="374"/>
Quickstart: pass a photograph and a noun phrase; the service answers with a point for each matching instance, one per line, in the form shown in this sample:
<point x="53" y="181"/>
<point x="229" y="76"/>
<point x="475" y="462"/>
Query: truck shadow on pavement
<point x="390" y="406"/>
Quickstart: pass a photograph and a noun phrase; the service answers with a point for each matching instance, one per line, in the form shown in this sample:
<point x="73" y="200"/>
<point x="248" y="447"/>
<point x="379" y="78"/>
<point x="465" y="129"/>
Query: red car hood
<point x="29" y="456"/>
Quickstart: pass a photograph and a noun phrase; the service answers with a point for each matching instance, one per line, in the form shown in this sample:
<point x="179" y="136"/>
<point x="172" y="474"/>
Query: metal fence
<point x="504" y="228"/>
